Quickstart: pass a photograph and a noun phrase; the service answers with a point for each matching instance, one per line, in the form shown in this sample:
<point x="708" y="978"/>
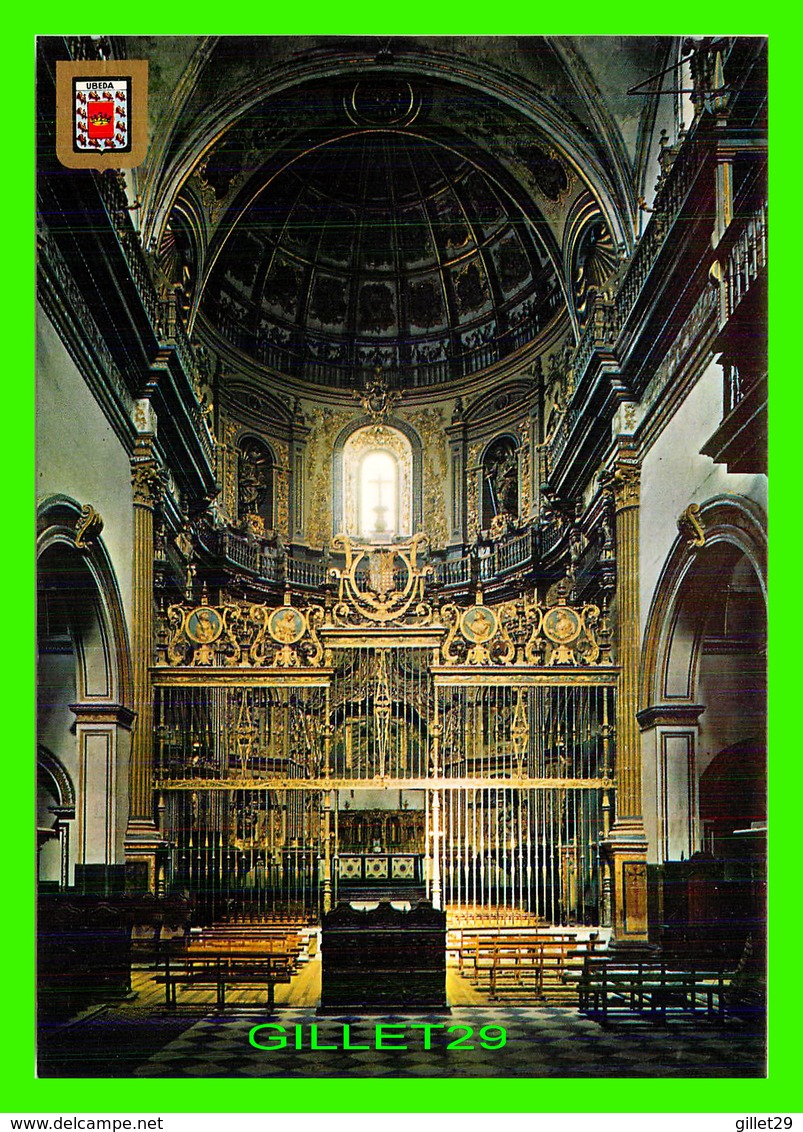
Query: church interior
<point x="401" y="553"/>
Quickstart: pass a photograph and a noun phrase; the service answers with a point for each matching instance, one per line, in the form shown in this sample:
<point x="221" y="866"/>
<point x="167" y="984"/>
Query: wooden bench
<point x="519" y="960"/>
<point x="248" y="940"/>
<point x="462" y="940"/>
<point x="220" y="967"/>
<point x="255" y="931"/>
<point x="651" y="989"/>
<point x="271" y="939"/>
<point x="470" y="916"/>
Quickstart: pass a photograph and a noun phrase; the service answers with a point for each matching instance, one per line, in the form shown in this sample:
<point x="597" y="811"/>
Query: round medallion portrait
<point x="478" y="624"/>
<point x="561" y="625"/>
<point x="286" y="625"/>
<point x="204" y="625"/>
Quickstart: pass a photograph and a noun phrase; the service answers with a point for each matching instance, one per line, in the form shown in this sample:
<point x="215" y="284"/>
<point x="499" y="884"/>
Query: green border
<point x="23" y="1093"/>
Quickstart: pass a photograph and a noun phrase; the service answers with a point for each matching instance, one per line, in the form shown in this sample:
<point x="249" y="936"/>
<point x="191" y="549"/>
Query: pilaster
<point x="101" y="731"/>
<point x="626" y="843"/>
<point x="143" y="839"/>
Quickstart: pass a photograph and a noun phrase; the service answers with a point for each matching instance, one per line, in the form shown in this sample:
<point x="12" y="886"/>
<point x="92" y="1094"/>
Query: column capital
<point x="670" y="715"/>
<point x="147" y="483"/>
<point x="623" y="483"/>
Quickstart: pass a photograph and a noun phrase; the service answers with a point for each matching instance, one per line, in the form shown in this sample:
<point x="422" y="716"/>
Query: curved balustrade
<point x="340" y="365"/>
<point x="487" y="563"/>
<point x="306" y="573"/>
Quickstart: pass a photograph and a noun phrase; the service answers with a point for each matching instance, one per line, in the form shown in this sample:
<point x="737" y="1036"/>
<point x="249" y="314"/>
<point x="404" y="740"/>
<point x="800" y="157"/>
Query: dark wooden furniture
<point x="384" y="958"/>
<point x="223" y="966"/>
<point x="611" y="990"/>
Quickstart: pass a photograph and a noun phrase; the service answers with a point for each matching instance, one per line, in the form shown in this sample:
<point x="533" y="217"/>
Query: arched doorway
<point x="704" y="720"/>
<point x="83" y="706"/>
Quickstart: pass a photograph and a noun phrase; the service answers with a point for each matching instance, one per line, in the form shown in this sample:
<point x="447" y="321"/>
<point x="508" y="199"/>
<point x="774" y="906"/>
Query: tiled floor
<point x="142" y="1039"/>
<point x="541" y="1042"/>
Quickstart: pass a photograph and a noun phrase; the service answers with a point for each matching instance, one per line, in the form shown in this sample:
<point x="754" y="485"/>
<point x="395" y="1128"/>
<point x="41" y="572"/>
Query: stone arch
<point x="728" y="522"/>
<point x="84" y="712"/>
<point x="703" y="675"/>
<point x="55" y="774"/>
<point x="91" y="565"/>
<point x="55" y="812"/>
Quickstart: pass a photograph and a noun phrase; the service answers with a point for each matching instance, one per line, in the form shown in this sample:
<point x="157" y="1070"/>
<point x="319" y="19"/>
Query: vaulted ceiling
<point x="430" y="205"/>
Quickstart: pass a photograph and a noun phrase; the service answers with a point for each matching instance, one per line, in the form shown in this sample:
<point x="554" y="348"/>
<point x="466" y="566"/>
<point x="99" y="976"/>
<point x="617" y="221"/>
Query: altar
<point x="380" y="868"/>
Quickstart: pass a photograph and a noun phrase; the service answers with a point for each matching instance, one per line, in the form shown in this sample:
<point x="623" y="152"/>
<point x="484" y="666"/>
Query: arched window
<point x="377" y="484"/>
<point x="378" y="490"/>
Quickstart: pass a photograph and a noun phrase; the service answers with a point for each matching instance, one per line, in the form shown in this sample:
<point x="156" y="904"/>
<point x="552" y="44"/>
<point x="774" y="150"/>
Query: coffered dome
<point x="383" y="247"/>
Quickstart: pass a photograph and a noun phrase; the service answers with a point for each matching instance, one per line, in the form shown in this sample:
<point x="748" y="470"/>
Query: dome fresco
<point x="382" y="248"/>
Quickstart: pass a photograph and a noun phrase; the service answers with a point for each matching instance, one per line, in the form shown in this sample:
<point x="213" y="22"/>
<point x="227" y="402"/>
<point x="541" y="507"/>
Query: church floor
<point x="141" y="1039"/>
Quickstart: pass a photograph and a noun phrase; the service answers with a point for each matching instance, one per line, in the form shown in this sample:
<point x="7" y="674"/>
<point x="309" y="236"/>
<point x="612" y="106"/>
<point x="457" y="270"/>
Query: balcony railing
<point x="489" y="562"/>
<point x="669" y="201"/>
<point x="309" y="574"/>
<point x="243" y="552"/>
<point x="163" y="312"/>
<point x="116" y="202"/>
<point x="557" y="446"/>
<point x="747" y="259"/>
<point x="600" y="331"/>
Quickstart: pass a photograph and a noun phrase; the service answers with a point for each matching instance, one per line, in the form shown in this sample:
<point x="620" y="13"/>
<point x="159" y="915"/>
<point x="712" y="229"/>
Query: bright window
<point x="378" y="495"/>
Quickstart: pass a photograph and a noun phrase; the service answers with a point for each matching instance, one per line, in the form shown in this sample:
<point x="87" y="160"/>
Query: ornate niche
<point x="594" y="261"/>
<point x="255" y="485"/>
<point x="379" y="474"/>
<point x="500" y="482"/>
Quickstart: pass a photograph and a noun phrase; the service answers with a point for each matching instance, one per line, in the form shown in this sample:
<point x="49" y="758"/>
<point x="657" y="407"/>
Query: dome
<point x="382" y="248"/>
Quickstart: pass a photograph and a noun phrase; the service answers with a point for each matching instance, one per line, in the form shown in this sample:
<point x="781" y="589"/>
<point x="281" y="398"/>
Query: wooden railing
<point x="694" y="156"/>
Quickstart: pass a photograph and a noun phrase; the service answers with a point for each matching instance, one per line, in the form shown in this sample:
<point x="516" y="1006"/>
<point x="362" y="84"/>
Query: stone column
<point x="142" y="838"/>
<point x="626" y="844"/>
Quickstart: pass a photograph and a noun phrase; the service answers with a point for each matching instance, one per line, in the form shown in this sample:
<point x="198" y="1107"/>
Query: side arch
<point x="84" y="709"/>
<point x="92" y="569"/>
<point x="731" y="525"/>
<point x="703" y="685"/>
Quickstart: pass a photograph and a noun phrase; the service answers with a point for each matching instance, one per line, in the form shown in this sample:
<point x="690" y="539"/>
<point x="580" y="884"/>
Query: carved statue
<point x="254" y="480"/>
<point x="501" y="469"/>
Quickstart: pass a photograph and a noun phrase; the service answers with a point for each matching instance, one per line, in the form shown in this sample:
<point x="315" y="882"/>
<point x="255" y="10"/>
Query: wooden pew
<point x="229" y="955"/>
<point x="219" y="968"/>
<point x="617" y="989"/>
<point x="272" y="938"/>
<point x="509" y="960"/>
<point x="477" y="916"/>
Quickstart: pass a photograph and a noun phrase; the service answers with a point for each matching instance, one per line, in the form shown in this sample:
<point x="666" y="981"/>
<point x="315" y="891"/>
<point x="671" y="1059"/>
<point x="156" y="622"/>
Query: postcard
<point x="401" y="484"/>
